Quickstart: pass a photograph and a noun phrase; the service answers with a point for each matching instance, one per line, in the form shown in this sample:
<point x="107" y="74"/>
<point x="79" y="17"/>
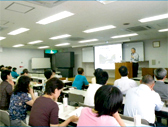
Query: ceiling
<point x="87" y="15"/>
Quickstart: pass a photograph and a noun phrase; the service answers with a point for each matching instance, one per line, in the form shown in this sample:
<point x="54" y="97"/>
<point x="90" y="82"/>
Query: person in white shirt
<point x="101" y="79"/>
<point x="96" y="72"/>
<point x="143" y="100"/>
<point x="124" y="83"/>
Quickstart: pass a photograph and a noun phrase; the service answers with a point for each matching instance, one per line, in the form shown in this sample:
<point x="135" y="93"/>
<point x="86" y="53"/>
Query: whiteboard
<point x="87" y="54"/>
<point x="139" y="46"/>
<point x="40" y="63"/>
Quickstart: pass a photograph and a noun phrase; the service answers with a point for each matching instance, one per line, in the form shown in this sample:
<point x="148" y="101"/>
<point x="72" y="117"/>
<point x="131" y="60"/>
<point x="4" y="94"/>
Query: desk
<point x="75" y="91"/>
<point x="64" y="115"/>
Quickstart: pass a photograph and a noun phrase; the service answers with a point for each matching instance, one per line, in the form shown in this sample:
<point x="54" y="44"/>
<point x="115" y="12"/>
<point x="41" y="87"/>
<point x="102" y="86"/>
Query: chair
<point x="83" y="105"/>
<point x="4" y="117"/>
<point x="143" y="121"/>
<point x="75" y="98"/>
<point x="24" y="124"/>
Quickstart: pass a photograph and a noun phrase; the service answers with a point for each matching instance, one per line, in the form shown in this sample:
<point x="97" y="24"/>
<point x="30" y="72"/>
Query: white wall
<point x="14" y="56"/>
<point x="159" y="54"/>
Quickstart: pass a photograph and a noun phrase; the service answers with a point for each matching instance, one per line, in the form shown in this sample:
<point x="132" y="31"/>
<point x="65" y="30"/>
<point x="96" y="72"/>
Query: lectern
<point x="129" y="67"/>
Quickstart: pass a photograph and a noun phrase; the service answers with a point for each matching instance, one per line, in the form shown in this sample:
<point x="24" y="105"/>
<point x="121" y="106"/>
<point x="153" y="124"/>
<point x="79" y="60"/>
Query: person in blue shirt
<point x="80" y="79"/>
<point x="20" y="100"/>
<point x="14" y="73"/>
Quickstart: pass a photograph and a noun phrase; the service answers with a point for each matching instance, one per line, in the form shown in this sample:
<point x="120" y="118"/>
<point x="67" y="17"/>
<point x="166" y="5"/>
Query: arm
<point x="9" y="89"/>
<point x="85" y="81"/>
<point x="66" y="122"/>
<point x="33" y="97"/>
<point x="136" y="57"/>
<point x="118" y="118"/>
<point x="158" y="103"/>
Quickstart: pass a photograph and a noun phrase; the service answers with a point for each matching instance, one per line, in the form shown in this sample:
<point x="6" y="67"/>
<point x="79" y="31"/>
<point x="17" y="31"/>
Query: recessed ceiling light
<point x="158" y="17"/>
<point x="18" y="31"/>
<point x="63" y="44"/>
<point x="43" y="47"/>
<point x="59" y="37"/>
<point x="55" y="17"/>
<point x="125" y="35"/>
<point x="163" y="30"/>
<point x="91" y="40"/>
<point x="18" y="45"/>
<point x="1" y="38"/>
<point x="99" y="29"/>
<point x="34" y="42"/>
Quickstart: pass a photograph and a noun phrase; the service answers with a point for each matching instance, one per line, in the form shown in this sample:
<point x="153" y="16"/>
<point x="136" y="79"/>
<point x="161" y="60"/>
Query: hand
<point x="11" y="82"/>
<point x="132" y="57"/>
<point x="74" y="118"/>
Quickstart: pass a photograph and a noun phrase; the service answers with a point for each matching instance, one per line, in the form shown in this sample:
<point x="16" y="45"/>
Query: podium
<point x="129" y="67"/>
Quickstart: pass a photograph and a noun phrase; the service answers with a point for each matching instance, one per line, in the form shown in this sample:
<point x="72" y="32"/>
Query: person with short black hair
<point x="14" y="73"/>
<point x="101" y="79"/>
<point x="124" y="83"/>
<point x="107" y="101"/>
<point x="45" y="110"/>
<point x="80" y="79"/>
<point x="9" y="68"/>
<point x="48" y="74"/>
<point x="134" y="60"/>
<point x="96" y="72"/>
<point x="25" y="72"/>
<point x="6" y="89"/>
<point x="160" y="87"/>
<point x="19" y="101"/>
<point x="143" y="100"/>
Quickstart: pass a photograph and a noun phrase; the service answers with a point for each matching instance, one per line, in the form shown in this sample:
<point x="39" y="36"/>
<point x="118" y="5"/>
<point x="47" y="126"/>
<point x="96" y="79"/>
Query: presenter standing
<point x="134" y="60"/>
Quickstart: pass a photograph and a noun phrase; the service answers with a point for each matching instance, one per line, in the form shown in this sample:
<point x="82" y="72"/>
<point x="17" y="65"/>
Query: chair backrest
<point x="75" y="98"/>
<point x="83" y="105"/>
<point x="24" y="124"/>
<point x="143" y="121"/>
<point x="4" y="117"/>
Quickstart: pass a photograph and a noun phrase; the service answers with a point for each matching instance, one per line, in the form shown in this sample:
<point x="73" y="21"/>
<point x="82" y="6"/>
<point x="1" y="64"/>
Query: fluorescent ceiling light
<point x="19" y="45"/>
<point x="106" y="2"/>
<point x="43" y="47"/>
<point x="63" y="44"/>
<point x="18" y="31"/>
<point x="126" y="35"/>
<point x="91" y="40"/>
<point x="163" y="30"/>
<point x="55" y="17"/>
<point x="34" y="42"/>
<point x="59" y="37"/>
<point x="158" y="17"/>
<point x="99" y="29"/>
<point x="1" y="38"/>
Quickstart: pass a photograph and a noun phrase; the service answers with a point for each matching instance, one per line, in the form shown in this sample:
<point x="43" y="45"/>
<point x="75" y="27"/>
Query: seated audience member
<point x="160" y="87"/>
<point x="14" y="73"/>
<point x="143" y="100"/>
<point x="48" y="74"/>
<point x="19" y="101"/>
<point x="45" y="110"/>
<point x="107" y="100"/>
<point x="80" y="79"/>
<point x="6" y="89"/>
<point x="101" y="79"/>
<point x="9" y="68"/>
<point x="124" y="83"/>
<point x="96" y="72"/>
<point x="25" y="72"/>
<point x="1" y="67"/>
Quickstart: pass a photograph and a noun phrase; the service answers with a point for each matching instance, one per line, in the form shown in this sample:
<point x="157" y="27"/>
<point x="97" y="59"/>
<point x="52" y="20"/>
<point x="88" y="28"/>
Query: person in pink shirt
<point x="107" y="101"/>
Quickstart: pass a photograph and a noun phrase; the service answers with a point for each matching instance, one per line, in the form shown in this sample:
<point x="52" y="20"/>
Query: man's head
<point x="133" y="50"/>
<point x="14" y="69"/>
<point x="148" y="80"/>
<point x="6" y="75"/>
<point x="25" y="72"/>
<point x="123" y="71"/>
<point x="48" y="74"/>
<point x="53" y="87"/>
<point x="80" y="71"/>
<point x="9" y="68"/>
<point x="102" y="78"/>
<point x="97" y="71"/>
<point x="160" y="73"/>
<point x="54" y="72"/>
